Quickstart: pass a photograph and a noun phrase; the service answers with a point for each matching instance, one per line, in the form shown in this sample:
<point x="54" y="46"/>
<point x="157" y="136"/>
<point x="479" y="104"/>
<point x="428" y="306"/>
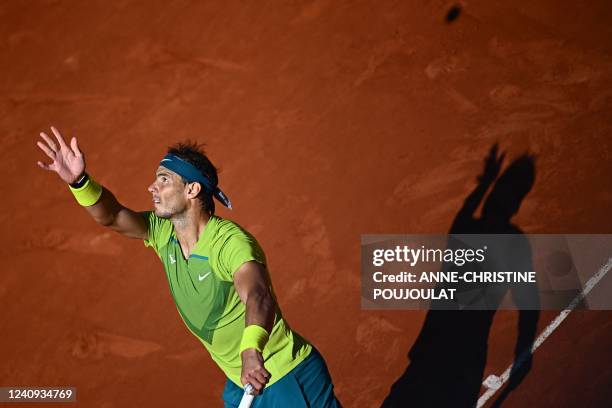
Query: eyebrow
<point x="161" y="173"/>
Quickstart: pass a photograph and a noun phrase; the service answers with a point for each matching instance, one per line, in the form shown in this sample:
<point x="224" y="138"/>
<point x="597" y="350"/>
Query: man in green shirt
<point x="216" y="271"/>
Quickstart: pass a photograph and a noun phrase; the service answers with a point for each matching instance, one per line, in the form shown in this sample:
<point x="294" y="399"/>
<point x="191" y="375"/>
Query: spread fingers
<point x="48" y="151"/>
<point x="51" y="144"/>
<point x="59" y="137"/>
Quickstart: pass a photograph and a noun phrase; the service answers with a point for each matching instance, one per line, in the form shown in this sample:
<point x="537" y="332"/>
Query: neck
<point x="189" y="226"/>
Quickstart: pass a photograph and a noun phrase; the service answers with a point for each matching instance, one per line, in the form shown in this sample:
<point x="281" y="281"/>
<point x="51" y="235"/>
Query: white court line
<point x="494" y="383"/>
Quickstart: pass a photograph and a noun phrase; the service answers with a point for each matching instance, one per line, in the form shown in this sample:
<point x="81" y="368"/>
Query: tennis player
<point x="216" y="271"/>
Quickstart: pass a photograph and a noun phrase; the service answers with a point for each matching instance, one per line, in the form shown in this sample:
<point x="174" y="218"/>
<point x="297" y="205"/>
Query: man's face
<point x="168" y="192"/>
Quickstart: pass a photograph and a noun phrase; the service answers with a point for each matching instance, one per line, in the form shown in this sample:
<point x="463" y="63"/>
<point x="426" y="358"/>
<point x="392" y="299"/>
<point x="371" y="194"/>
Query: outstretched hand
<point x="492" y="166"/>
<point x="68" y="161"/>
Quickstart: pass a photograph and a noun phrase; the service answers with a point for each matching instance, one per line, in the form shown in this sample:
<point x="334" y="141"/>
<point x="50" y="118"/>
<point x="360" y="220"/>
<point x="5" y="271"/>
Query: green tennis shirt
<point x="203" y="290"/>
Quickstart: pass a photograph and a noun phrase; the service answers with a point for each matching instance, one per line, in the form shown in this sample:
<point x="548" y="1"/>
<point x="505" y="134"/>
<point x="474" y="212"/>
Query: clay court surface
<point x="328" y="119"/>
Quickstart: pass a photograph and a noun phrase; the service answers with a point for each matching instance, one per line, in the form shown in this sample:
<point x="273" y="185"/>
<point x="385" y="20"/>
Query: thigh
<point x="284" y="393"/>
<point x="308" y="385"/>
<point x="315" y="382"/>
<point x="232" y="394"/>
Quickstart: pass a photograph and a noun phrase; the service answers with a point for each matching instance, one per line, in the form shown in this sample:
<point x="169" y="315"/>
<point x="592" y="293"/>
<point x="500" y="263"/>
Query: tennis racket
<point x="247" y="398"/>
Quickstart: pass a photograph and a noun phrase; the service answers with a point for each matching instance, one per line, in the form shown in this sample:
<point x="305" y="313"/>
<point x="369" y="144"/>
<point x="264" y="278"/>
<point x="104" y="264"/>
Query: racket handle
<point x="247" y="398"/>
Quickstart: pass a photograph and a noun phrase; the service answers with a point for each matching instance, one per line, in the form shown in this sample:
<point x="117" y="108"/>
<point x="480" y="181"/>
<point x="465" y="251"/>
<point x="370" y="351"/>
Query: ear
<point x="193" y="189"/>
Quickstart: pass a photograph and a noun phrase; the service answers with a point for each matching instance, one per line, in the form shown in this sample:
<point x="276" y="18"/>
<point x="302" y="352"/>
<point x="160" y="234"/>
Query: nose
<point x="151" y="188"/>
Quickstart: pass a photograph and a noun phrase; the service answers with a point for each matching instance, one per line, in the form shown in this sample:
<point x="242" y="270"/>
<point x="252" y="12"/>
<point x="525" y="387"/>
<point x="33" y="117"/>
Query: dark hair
<point x="194" y="154"/>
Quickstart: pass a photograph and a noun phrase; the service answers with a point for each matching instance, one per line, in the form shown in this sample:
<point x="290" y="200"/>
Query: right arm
<point x="69" y="164"/>
<point x="491" y="170"/>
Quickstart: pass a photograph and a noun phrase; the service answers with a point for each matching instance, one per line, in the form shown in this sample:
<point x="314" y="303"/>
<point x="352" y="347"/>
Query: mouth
<point x="156" y="200"/>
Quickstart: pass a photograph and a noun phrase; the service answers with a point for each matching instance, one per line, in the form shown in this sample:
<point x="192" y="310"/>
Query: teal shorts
<point x="308" y="385"/>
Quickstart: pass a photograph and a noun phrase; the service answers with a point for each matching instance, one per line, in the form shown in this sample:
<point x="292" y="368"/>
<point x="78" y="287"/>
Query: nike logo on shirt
<point x="201" y="278"/>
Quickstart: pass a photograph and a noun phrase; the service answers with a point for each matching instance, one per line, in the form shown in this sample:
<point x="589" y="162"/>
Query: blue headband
<point x="191" y="174"/>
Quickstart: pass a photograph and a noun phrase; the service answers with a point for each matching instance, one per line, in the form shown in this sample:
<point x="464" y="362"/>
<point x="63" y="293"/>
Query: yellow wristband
<point x="88" y="194"/>
<point x="254" y="337"/>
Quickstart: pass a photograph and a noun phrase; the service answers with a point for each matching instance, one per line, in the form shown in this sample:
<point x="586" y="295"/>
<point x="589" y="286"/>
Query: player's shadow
<point x="448" y="358"/>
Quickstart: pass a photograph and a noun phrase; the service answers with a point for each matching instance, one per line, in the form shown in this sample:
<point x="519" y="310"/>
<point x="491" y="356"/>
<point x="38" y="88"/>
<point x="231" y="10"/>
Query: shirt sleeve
<point x="238" y="249"/>
<point x="158" y="230"/>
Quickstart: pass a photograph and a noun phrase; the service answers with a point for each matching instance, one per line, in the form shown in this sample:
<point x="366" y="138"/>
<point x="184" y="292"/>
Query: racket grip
<point x="247" y="398"/>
